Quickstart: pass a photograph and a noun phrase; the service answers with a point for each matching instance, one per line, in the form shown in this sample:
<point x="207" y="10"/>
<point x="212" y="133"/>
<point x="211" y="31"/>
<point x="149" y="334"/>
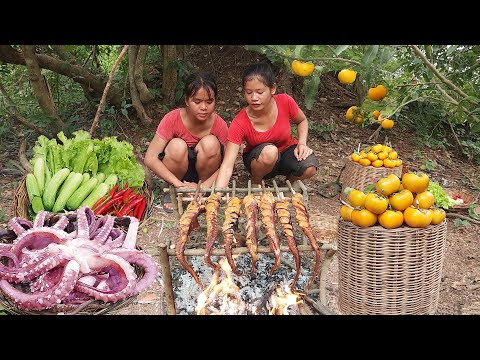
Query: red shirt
<point x="280" y="134"/>
<point x="171" y="126"/>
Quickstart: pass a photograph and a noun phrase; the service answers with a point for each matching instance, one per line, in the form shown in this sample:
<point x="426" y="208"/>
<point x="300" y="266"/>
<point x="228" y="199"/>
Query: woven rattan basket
<point x="21" y="203"/>
<point x="358" y="176"/>
<point x="390" y="271"/>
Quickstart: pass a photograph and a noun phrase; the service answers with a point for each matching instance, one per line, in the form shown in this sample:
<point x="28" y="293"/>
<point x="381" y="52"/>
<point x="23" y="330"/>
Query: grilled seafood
<point x="232" y="213"/>
<point x="251" y="213"/>
<point x="302" y="218"/>
<point x="211" y="207"/>
<point x="267" y="211"/>
<point x="185" y="225"/>
<point x="283" y="217"/>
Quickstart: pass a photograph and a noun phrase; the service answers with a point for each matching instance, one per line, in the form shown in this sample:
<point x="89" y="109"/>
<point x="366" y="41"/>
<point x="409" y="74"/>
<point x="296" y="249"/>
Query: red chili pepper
<point x="139" y="209"/>
<point x="105" y="208"/>
<point x="126" y="185"/>
<point x="127" y="194"/>
<point x="112" y="192"/>
<point x="119" y="194"/>
<point x="99" y="202"/>
<point x="126" y="208"/>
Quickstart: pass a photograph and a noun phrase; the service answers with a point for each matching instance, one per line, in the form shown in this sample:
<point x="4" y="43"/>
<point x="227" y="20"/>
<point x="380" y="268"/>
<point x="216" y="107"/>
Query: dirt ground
<point x="460" y="284"/>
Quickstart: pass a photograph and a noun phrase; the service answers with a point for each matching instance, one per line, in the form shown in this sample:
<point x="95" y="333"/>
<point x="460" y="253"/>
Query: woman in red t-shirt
<point x="264" y="125"/>
<point x="189" y="141"/>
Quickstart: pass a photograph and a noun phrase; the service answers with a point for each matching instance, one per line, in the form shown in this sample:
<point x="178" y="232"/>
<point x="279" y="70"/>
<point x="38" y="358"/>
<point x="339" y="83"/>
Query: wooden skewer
<point x="263" y="186"/>
<point x="279" y="194"/>
<point x="197" y="191"/>
<point x="290" y="186"/>
<point x="249" y="186"/>
<point x="233" y="188"/>
<point x="213" y="187"/>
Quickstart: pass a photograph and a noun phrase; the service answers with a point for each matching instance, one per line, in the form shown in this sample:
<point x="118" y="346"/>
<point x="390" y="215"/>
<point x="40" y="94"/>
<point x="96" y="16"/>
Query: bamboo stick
<point x="167" y="279"/>
<point x="243" y="250"/>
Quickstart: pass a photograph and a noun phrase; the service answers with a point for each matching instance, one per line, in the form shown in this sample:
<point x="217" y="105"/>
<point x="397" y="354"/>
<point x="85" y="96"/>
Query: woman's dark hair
<point x="262" y="71"/>
<point x="201" y="80"/>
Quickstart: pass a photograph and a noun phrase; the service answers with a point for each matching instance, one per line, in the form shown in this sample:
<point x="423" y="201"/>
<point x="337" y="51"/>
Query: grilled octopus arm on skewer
<point x="185" y="226"/>
<point x="251" y="212"/>
<point x="303" y="221"/>
<point x="267" y="211"/>
<point x="232" y="213"/>
<point x="283" y="216"/>
<point x="211" y="207"/>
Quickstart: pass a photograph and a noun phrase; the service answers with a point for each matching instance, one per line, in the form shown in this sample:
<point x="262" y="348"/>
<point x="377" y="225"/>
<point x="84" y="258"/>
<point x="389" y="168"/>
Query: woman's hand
<point x="302" y="151"/>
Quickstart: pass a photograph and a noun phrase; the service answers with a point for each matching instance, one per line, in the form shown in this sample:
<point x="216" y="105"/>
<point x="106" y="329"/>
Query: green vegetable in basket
<point x="39" y="172"/>
<point x="32" y="187"/>
<point x="70" y="185"/>
<point x="50" y="193"/>
<point x="37" y="204"/>
<point x="442" y="199"/>
<point x="81" y="193"/>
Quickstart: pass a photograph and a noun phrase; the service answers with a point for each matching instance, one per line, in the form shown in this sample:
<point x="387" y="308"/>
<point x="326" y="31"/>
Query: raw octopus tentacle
<point x="121" y="280"/>
<point x="267" y="211"/>
<point x="251" y="213"/>
<point x="283" y="217"/>
<point x="232" y="213"/>
<point x="143" y="260"/>
<point x="29" y="271"/>
<point x="131" y="237"/>
<point x="38" y="238"/>
<point x="211" y="210"/>
<point x="47" y="299"/>
<point x="61" y="223"/>
<point x="185" y="226"/>
<point x="20" y="225"/>
<point x="303" y="220"/>
<point x="56" y="265"/>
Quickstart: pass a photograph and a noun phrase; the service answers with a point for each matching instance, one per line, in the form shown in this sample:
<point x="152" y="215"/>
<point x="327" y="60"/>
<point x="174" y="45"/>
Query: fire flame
<point x="281" y="299"/>
<point x="222" y="297"/>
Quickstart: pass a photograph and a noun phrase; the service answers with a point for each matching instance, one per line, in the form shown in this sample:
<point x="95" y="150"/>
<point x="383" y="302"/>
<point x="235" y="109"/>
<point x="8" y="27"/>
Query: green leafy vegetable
<point x="442" y="199"/>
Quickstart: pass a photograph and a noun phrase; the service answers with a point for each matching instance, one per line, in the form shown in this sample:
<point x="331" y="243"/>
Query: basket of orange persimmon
<point x="391" y="243"/>
<point x="371" y="162"/>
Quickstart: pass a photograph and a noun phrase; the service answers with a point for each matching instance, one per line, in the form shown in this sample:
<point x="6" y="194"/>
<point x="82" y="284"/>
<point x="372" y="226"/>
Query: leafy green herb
<point x="442" y="199"/>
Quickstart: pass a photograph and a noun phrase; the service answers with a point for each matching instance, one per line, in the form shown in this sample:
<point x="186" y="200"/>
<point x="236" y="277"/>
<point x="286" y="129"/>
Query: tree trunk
<point x="68" y="57"/>
<point x="169" y="83"/>
<point x="40" y="85"/>
<point x="77" y="73"/>
<point x="145" y="95"/>
<point x="136" y="102"/>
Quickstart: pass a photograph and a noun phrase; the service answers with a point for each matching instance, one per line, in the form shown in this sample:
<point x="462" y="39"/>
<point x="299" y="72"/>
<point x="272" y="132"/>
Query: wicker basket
<point x="358" y="176"/>
<point x="21" y="203"/>
<point x="390" y="271"/>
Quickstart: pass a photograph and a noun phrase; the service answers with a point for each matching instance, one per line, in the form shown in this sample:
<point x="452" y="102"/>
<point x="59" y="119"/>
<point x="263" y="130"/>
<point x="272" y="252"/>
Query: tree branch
<point x="19" y="116"/>
<point x="105" y="91"/>
<point x="437" y="73"/>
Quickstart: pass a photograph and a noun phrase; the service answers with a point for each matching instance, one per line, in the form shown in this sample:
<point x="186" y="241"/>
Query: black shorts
<point x="192" y="175"/>
<point x="287" y="164"/>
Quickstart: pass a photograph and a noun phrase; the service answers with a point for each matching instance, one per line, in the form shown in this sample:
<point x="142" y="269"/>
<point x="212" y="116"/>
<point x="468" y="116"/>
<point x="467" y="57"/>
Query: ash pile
<point x="246" y="294"/>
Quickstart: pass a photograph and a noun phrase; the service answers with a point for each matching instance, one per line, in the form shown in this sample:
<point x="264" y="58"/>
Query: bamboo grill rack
<point x="167" y="246"/>
<point x="390" y="271"/>
<point x="21" y="203"/>
<point x="358" y="176"/>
